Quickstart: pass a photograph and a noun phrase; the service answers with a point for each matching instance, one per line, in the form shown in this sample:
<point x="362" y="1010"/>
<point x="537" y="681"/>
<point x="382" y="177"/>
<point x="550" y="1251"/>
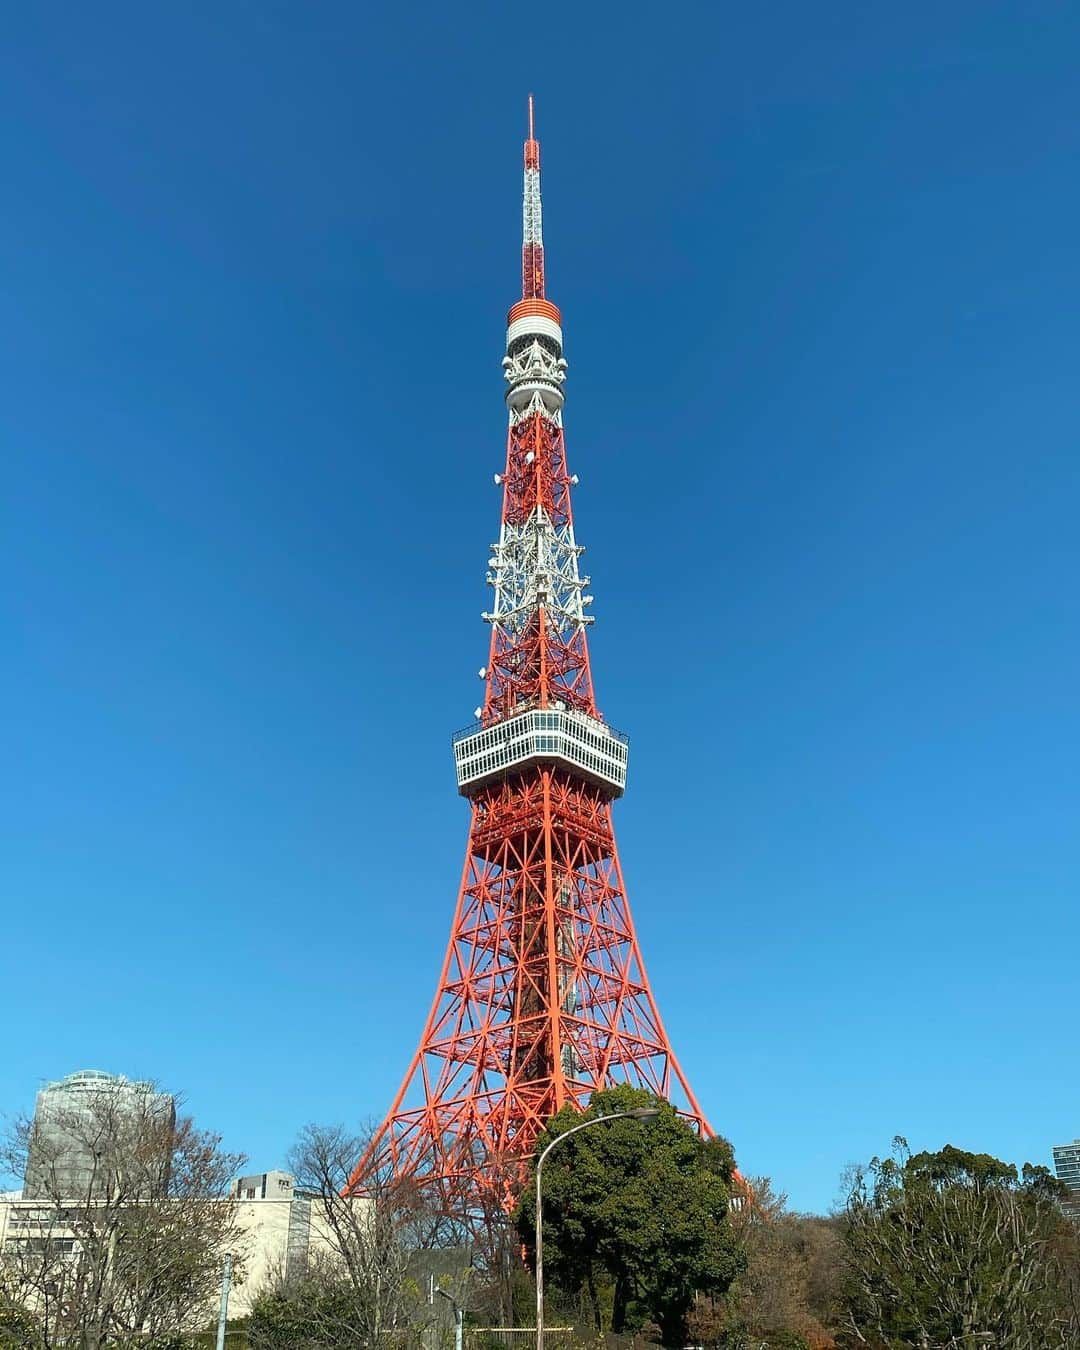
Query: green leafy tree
<point x="311" y="1312"/>
<point x="19" y="1329"/>
<point x="956" y="1249"/>
<point x="639" y="1209"/>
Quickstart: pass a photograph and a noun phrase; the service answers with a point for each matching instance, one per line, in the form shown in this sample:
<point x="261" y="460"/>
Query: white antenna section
<point x="532" y="214"/>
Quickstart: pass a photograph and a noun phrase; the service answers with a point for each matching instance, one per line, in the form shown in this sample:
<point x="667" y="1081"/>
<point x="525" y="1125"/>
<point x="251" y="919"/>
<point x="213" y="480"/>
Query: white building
<point x="277" y="1228"/>
<point x="280" y="1228"/>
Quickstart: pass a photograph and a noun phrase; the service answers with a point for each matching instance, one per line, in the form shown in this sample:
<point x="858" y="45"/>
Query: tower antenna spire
<point x="532" y="220"/>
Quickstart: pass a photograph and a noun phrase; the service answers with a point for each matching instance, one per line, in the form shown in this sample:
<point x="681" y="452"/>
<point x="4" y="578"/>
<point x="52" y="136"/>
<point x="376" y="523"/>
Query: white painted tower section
<point x="532" y="213"/>
<point x="534" y="564"/>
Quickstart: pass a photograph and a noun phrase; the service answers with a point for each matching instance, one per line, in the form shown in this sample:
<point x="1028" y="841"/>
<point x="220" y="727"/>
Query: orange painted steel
<point x="529" y="309"/>
<point x="532" y="271"/>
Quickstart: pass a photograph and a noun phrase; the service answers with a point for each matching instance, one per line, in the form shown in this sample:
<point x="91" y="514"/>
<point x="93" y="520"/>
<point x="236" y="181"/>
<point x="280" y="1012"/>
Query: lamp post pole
<point x="223" y="1311"/>
<point x="642" y="1113"/>
<point x="459" y="1317"/>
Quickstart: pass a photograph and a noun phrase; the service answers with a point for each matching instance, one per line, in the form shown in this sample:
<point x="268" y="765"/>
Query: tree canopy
<point x="949" y="1247"/>
<point x="637" y="1210"/>
<point x="785" y="1298"/>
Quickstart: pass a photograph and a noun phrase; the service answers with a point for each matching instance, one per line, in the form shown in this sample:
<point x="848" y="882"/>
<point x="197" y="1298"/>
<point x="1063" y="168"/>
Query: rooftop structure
<point x="263" y="1186"/>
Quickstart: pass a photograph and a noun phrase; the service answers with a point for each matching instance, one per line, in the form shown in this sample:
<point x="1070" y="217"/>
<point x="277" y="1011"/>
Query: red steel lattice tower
<point x="543" y="996"/>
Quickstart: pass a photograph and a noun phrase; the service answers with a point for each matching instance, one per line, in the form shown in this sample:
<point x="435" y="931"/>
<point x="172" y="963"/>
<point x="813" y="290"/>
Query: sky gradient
<point x="819" y="281"/>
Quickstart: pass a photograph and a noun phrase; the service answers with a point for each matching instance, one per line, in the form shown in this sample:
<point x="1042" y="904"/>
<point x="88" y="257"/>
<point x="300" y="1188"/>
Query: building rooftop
<point x="93" y="1080"/>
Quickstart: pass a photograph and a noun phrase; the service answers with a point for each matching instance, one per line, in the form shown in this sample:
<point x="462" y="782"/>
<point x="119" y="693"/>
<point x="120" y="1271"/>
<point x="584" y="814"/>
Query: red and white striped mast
<point x="543" y="996"/>
<point x="538" y="647"/>
<point x="532" y="225"/>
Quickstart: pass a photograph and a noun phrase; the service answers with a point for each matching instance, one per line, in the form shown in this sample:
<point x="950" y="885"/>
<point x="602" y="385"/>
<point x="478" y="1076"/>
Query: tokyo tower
<point x="543" y="996"/>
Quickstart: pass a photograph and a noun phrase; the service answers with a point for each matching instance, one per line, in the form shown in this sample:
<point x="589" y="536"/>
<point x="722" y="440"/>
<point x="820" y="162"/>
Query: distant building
<point x="80" y="1127"/>
<point x="1067" y="1167"/>
<point x="1067" y="1164"/>
<point x="281" y="1227"/>
<point x="277" y="1222"/>
<point x="276" y="1233"/>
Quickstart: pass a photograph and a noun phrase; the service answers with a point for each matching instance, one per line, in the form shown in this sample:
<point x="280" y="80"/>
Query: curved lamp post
<point x="642" y="1113"/>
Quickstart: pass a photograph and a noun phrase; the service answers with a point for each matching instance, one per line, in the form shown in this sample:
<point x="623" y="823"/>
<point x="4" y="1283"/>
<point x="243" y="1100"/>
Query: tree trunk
<point x="618" y="1311"/>
<point x="672" y="1325"/>
<point x="594" y="1300"/>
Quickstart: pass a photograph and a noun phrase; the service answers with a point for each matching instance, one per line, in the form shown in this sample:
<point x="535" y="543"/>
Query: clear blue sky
<point x="819" y="273"/>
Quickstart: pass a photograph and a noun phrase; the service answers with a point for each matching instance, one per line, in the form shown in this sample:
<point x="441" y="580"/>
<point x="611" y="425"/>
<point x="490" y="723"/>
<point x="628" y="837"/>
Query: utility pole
<point x="223" y="1311"/>
<point x="459" y="1317"/>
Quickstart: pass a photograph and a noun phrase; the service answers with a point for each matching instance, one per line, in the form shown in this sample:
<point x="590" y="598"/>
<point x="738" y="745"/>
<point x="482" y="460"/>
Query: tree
<point x="373" y="1248"/>
<point x="956" y="1249"/>
<point x="642" y="1208"/>
<point x="501" y="1291"/>
<point x="132" y="1244"/>
<point x="18" y="1327"/>
<point x="786" y="1296"/>
<point x="787" y="1293"/>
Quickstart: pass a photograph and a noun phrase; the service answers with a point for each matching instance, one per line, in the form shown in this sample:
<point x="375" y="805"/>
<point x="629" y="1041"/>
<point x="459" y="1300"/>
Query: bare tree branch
<point x="126" y="1225"/>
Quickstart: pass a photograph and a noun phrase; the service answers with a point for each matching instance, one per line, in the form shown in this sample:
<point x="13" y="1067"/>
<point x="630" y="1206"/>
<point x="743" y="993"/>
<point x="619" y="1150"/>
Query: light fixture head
<point x="644" y="1113"/>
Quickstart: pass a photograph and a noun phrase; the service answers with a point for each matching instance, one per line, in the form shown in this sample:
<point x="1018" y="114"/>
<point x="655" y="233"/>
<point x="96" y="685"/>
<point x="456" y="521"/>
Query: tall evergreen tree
<point x="637" y="1210"/>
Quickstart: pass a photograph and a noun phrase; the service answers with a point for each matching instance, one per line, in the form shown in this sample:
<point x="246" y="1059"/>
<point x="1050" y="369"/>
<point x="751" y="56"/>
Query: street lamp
<point x="640" y="1113"/>
<point x="459" y="1317"/>
<point x="223" y="1310"/>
